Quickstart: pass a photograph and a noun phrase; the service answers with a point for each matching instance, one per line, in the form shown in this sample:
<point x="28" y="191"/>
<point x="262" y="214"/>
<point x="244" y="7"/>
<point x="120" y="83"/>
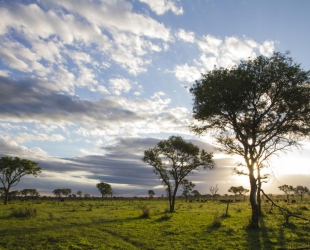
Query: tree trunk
<point x="6" y="195"/>
<point x="253" y="200"/>
<point x="173" y="199"/>
<point x="172" y="205"/>
<point x="259" y="186"/>
<point x="259" y="202"/>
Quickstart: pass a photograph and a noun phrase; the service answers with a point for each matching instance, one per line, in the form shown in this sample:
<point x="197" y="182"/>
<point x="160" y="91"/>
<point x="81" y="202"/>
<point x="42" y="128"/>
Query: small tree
<point x="24" y="192"/>
<point x="287" y="190"/>
<point x="13" y="169"/>
<point x="31" y="192"/>
<point x="196" y="194"/>
<point x="79" y="193"/>
<point x="300" y="190"/>
<point x="57" y="192"/>
<point x="173" y="160"/>
<point x="104" y="188"/>
<point x="151" y="194"/>
<point x="188" y="187"/>
<point x="14" y="193"/>
<point x="242" y="191"/>
<point x="66" y="191"/>
<point x="234" y="190"/>
<point x="86" y="196"/>
<point x="34" y="193"/>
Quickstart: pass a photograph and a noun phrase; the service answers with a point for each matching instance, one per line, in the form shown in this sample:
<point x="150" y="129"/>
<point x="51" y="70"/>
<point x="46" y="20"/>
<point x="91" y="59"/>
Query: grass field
<point x="145" y="224"/>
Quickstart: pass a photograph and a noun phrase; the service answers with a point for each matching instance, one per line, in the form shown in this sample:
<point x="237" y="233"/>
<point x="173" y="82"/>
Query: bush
<point x="24" y="212"/>
<point x="90" y="207"/>
<point x="304" y="208"/>
<point x="146" y="212"/>
<point x="217" y="220"/>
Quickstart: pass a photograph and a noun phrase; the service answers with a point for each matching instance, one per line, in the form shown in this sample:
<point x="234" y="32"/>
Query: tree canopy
<point x="287" y="189"/>
<point x="173" y="159"/>
<point x="258" y="108"/>
<point x="188" y="187"/>
<point x="13" y="169"/>
<point x="151" y="193"/>
<point x="300" y="190"/>
<point x="104" y="188"/>
<point x="62" y="191"/>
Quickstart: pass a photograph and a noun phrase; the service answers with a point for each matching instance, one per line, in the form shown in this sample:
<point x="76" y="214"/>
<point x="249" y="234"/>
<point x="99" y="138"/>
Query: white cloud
<point x="119" y="85"/>
<point x="208" y="62"/>
<point x="267" y="48"/>
<point x="186" y="36"/>
<point x="9" y="126"/>
<point x="210" y="44"/>
<point x="221" y="53"/>
<point x="158" y="95"/>
<point x="11" y="148"/>
<point x="4" y="73"/>
<point x="110" y="30"/>
<point x="160" y="7"/>
<point x="237" y="49"/>
<point x="86" y="78"/>
<point x="116" y="14"/>
<point x="102" y="89"/>
<point x="24" y="137"/>
<point x="186" y="73"/>
<point x="63" y="80"/>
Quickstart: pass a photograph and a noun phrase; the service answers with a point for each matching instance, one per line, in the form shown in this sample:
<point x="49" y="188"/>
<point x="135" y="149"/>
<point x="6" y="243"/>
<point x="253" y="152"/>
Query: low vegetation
<point x="147" y="224"/>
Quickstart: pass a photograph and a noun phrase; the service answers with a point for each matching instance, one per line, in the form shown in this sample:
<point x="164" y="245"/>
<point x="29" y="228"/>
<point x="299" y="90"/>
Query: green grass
<point x="125" y="225"/>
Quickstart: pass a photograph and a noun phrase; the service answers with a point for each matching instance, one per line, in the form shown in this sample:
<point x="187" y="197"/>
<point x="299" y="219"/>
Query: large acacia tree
<point x="13" y="169"/>
<point x="173" y="159"/>
<point x="255" y="110"/>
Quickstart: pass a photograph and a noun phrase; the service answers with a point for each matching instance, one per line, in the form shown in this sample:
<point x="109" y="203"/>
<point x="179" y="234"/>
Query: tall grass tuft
<point x="146" y="212"/>
<point x="24" y="212"/>
<point x="217" y="220"/>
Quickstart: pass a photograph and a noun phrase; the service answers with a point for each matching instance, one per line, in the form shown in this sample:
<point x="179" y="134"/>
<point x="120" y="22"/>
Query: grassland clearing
<point x="122" y="224"/>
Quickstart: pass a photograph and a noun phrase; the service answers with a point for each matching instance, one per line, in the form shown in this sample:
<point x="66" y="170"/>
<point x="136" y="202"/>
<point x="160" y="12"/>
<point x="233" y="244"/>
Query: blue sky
<point x="87" y="86"/>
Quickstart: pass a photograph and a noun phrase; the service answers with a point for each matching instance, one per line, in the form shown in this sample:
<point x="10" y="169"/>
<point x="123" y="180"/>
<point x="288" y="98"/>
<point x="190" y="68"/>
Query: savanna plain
<point x="146" y="224"/>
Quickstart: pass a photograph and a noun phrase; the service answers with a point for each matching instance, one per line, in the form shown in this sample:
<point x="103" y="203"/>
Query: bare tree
<point x="213" y="191"/>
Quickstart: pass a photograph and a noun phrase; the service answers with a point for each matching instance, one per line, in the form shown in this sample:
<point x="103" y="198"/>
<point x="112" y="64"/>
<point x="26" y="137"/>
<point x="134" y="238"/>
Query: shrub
<point x="303" y="208"/>
<point x="90" y="207"/>
<point x="217" y="220"/>
<point x="22" y="212"/>
<point x="146" y="212"/>
<point x="50" y="216"/>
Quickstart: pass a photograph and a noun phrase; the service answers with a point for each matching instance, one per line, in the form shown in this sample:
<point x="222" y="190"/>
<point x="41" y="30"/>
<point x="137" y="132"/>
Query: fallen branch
<point x="289" y="213"/>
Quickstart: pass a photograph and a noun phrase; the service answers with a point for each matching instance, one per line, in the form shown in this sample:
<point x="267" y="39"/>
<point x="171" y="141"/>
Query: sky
<point x="87" y="85"/>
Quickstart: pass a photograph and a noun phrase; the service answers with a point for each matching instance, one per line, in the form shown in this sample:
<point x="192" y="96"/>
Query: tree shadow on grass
<point x="258" y="238"/>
